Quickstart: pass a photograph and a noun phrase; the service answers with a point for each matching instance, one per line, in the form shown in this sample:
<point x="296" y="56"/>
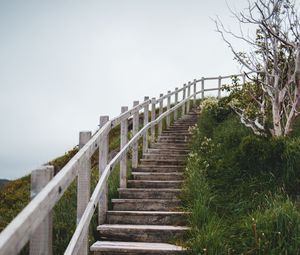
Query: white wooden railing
<point x="34" y="223"/>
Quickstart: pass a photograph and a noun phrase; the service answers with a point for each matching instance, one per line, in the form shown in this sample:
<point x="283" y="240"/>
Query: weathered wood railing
<point x="34" y="223"/>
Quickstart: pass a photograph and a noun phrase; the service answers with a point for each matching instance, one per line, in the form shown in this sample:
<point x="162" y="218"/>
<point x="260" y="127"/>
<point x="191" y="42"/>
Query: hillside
<point x="242" y="189"/>
<point x="3" y="182"/>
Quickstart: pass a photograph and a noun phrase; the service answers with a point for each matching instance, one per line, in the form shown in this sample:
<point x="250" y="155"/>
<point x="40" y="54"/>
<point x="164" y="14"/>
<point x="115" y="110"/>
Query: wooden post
<point x="183" y="97"/>
<point x="123" y="162"/>
<point x="188" y="95"/>
<point x="176" y="102"/>
<point x="168" y="119"/>
<point x="103" y="159"/>
<point x="202" y="88"/>
<point x="146" y="120"/>
<point x="161" y="108"/>
<point x="83" y="187"/>
<point x="195" y="90"/>
<point x="135" y="129"/>
<point x="219" y="86"/>
<point x="41" y="239"/>
<point x="153" y="108"/>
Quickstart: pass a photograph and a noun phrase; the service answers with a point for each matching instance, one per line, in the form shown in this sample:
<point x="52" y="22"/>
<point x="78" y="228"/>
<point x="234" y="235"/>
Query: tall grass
<point x="241" y="188"/>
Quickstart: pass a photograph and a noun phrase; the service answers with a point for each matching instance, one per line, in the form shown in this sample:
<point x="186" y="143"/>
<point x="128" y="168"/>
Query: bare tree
<point x="275" y="57"/>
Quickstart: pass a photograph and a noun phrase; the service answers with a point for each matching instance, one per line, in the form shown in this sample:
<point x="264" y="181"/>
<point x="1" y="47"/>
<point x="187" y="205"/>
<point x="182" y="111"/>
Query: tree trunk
<point x="277" y="128"/>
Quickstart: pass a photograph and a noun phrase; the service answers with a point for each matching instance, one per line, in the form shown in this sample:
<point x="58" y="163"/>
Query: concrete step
<point x="135" y="248"/>
<point x="141" y="233"/>
<point x="149" y="184"/>
<point x="125" y="193"/>
<point x="145" y="204"/>
<point x="147" y="217"/>
<point x="172" y="176"/>
<point x="155" y="162"/>
<point x="159" y="168"/>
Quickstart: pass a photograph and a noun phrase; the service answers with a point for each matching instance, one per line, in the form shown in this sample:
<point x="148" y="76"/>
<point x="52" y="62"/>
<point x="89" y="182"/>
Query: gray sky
<point x="65" y="63"/>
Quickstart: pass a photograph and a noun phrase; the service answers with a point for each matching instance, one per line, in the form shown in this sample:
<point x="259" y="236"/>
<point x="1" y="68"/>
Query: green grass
<point x="241" y="189"/>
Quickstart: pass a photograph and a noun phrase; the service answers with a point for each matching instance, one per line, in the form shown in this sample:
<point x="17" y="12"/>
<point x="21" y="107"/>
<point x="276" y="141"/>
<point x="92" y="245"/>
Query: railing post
<point x="103" y="158"/>
<point x="83" y="187"/>
<point x="183" y="98"/>
<point x="41" y="239"/>
<point x="202" y="88"/>
<point x="123" y="162"/>
<point x="168" y="119"/>
<point x="219" y="86"/>
<point x="153" y="108"/>
<point x="188" y="95"/>
<point x="176" y="102"/>
<point x="146" y="120"/>
<point x="195" y="90"/>
<point x="135" y="129"/>
<point x="161" y="108"/>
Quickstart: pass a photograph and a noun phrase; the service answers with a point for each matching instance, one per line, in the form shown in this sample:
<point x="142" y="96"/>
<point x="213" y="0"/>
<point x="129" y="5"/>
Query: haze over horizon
<point x="65" y="63"/>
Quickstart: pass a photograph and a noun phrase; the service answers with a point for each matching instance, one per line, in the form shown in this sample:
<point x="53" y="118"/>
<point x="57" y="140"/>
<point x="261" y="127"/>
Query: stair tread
<point x="150" y="189"/>
<point x="134" y="246"/>
<point x="141" y="199"/>
<point x="141" y="227"/>
<point x="148" y="212"/>
<point x="156" y="173"/>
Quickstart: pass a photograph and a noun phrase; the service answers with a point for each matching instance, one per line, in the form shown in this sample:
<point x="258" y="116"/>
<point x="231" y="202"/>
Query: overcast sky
<point x="65" y="63"/>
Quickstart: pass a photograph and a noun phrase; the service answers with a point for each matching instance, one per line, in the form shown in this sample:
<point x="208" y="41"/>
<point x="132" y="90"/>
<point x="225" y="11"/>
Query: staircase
<point x="146" y="219"/>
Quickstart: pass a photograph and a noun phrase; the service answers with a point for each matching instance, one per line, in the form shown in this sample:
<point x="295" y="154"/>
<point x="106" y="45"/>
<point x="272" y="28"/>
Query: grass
<point x="241" y="189"/>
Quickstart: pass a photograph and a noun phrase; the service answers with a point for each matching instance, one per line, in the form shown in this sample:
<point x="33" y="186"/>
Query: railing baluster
<point x="161" y="108"/>
<point x="202" y="88"/>
<point x="168" y="119"/>
<point x="123" y="162"/>
<point x="195" y="90"/>
<point x="103" y="160"/>
<point x="83" y="187"/>
<point x="153" y="108"/>
<point x="183" y="97"/>
<point x="146" y="120"/>
<point x="135" y="129"/>
<point x="176" y="101"/>
<point x="41" y="239"/>
<point x="219" y="86"/>
<point x="188" y="95"/>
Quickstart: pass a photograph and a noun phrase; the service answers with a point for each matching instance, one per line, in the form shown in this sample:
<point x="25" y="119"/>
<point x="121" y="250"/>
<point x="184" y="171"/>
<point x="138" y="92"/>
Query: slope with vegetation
<point x="241" y="188"/>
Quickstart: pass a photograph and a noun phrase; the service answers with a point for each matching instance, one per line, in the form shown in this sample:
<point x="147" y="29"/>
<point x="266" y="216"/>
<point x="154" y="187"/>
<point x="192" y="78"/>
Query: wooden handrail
<point x="17" y="233"/>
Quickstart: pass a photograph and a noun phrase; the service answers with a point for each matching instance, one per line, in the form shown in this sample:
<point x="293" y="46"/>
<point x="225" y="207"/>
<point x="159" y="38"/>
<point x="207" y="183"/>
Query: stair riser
<point x="158" y="177"/>
<point x="160" y="168"/>
<point x="146" y="206"/>
<point x="174" y="140"/>
<point x="174" y="220"/>
<point x="178" y="152"/>
<point x="162" y="163"/>
<point x="153" y="185"/>
<point x="170" y="146"/>
<point x="155" y="236"/>
<point x="165" y="157"/>
<point x="127" y="194"/>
